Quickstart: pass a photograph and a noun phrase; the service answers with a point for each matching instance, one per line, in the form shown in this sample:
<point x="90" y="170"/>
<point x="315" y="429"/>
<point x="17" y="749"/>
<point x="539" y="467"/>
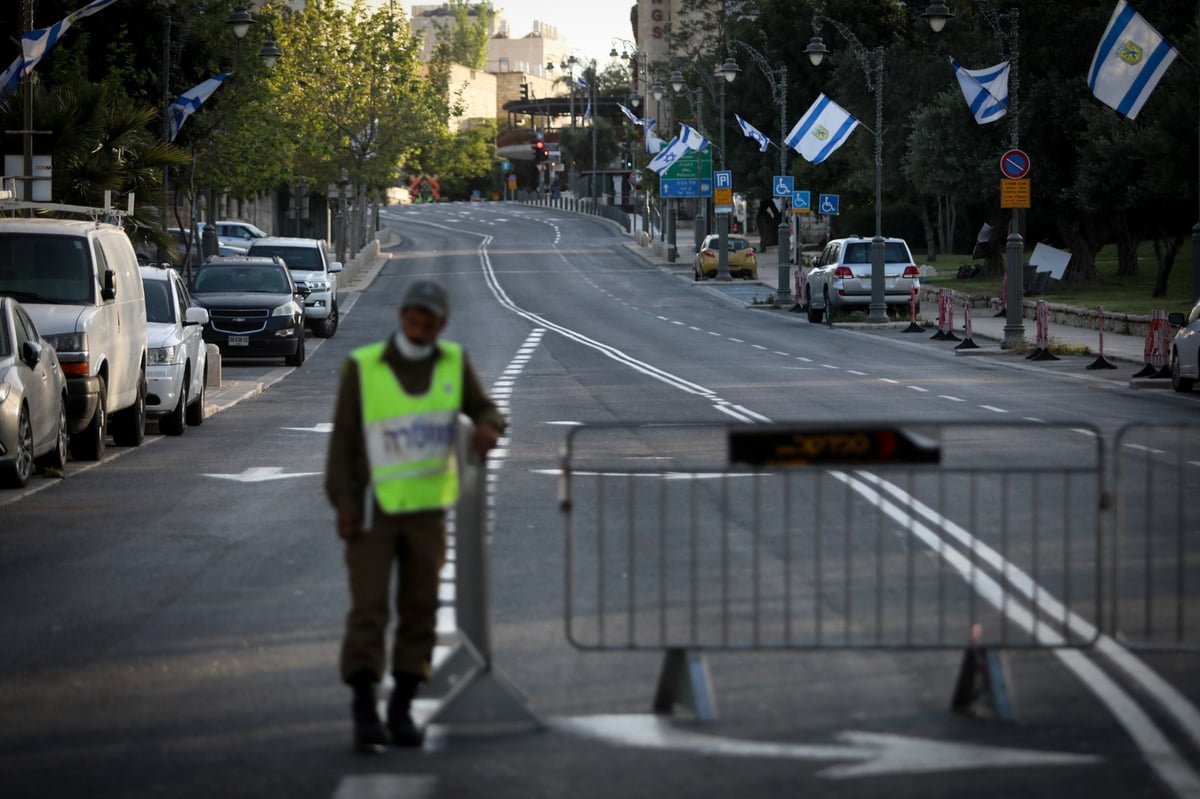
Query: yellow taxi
<point x="743" y="262"/>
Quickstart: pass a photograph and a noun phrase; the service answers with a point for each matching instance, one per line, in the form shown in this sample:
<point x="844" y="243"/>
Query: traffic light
<point x="524" y="91"/>
<point x="540" y="153"/>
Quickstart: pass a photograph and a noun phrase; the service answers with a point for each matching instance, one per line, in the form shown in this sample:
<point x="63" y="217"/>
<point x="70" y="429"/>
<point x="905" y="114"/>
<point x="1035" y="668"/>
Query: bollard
<point x="1154" y="349"/>
<point x="1041" y="351"/>
<point x="968" y="343"/>
<point x="913" y="327"/>
<point x="1101" y="362"/>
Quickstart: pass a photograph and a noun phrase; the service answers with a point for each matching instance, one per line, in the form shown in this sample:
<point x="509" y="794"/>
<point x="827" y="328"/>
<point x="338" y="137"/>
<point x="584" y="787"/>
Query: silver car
<point x="1185" y="349"/>
<point x="33" y="399"/>
<point x="178" y="368"/>
<point x="841" y="277"/>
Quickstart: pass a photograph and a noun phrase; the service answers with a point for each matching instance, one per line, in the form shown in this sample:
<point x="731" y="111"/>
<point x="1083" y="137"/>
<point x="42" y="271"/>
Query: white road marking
<point x="320" y="427"/>
<point x="993" y="409"/>
<point x="874" y="754"/>
<point x="260" y="474"/>
<point x="951" y="398"/>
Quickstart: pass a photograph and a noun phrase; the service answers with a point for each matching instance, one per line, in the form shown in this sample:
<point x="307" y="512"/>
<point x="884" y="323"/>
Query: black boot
<point x="399" y="722"/>
<point x="369" y="735"/>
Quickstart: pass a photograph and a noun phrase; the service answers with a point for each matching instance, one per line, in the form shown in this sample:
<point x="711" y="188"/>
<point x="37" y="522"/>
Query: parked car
<point x="79" y="281"/>
<point x="238" y="234"/>
<point x="255" y="309"/>
<point x="33" y="399"/>
<point x="1185" y="349"/>
<point x="178" y="368"/>
<point x="743" y="261"/>
<point x="841" y="277"/>
<point x="314" y="273"/>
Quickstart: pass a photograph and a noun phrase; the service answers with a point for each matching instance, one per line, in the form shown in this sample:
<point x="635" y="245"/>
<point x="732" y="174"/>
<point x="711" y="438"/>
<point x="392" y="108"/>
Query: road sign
<point x="723" y="179"/>
<point x="680" y="187"/>
<point x="801" y="202"/>
<point x="828" y="203"/>
<point x="505" y="165"/>
<point x="635" y="178"/>
<point x="686" y="167"/>
<point x="784" y="185"/>
<point x="1014" y="193"/>
<point x="1014" y="164"/>
<point x="722" y="199"/>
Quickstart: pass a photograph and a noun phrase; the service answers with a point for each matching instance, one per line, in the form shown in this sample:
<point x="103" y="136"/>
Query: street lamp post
<point x="872" y="64"/>
<point x="672" y="209"/>
<point x="1009" y="41"/>
<point x="778" y="83"/>
<point x="695" y="98"/>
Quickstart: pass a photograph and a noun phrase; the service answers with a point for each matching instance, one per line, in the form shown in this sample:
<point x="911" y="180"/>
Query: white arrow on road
<point x="260" y="474"/>
<point x="319" y="427"/>
<point x="876" y="754"/>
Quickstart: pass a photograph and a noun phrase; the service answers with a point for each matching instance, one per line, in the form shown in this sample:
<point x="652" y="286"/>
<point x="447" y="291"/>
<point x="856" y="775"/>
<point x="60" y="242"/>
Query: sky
<point x="588" y="25"/>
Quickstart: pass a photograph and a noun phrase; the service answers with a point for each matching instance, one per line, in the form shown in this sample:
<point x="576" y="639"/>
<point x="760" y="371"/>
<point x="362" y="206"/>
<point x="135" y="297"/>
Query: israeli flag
<point x="10" y="78"/>
<point x="587" y="114"/>
<point x="35" y="44"/>
<point x="1129" y="62"/>
<point x="653" y="143"/>
<point x="986" y="90"/>
<point x="674" y="150"/>
<point x="752" y="132"/>
<point x="822" y="129"/>
<point x="183" y="106"/>
<point x="691" y="138"/>
<point x="583" y="84"/>
<point x="634" y="118"/>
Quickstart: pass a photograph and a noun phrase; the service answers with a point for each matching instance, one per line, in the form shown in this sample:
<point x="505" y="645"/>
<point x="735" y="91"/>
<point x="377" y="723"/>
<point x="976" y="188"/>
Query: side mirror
<point x="1177" y="319"/>
<point x="195" y="315"/>
<point x="109" y="290"/>
<point x="335" y="266"/>
<point x="31" y="353"/>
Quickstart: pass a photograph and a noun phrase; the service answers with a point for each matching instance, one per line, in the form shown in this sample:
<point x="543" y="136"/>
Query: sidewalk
<point x="987" y="330"/>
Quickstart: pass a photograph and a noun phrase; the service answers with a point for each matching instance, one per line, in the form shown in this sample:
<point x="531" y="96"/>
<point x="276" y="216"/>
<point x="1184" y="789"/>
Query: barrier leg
<point x="913" y="327"/>
<point x="982" y="687"/>
<point x="968" y="342"/>
<point x="684" y="682"/>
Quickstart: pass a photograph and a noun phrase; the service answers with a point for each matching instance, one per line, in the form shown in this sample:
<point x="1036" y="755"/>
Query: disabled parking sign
<point x="828" y="203"/>
<point x="784" y="185"/>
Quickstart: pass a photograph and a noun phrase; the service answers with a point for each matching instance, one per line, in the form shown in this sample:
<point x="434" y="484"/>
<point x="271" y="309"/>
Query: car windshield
<point x="159" y="307"/>
<point x="238" y="279"/>
<point x="303" y="258"/>
<point x="859" y="252"/>
<point x="46" y="269"/>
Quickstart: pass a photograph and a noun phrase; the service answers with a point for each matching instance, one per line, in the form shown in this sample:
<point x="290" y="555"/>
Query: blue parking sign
<point x="783" y="185"/>
<point x="723" y="179"/>
<point x="828" y="204"/>
<point x="801" y="200"/>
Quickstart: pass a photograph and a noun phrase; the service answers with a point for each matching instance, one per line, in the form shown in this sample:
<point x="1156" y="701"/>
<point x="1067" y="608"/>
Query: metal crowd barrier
<point x="1156" y="565"/>
<point x="692" y="538"/>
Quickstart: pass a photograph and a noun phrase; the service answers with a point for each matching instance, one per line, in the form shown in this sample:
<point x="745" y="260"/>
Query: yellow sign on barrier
<point x="1014" y="193"/>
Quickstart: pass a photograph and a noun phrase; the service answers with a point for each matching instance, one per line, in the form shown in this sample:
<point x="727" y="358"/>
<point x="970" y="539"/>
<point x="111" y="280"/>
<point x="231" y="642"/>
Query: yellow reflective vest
<point x="410" y="438"/>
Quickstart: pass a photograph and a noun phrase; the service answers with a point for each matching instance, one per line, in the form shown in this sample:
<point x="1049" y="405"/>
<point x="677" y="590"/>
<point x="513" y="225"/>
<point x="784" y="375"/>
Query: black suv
<point x="255" y="309"/>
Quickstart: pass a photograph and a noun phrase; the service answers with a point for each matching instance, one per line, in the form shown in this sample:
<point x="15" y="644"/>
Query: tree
<point x="464" y="41"/>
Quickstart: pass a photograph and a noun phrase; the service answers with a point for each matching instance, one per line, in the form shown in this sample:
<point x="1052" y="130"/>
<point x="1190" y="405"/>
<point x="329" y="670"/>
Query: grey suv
<point x="841" y="277"/>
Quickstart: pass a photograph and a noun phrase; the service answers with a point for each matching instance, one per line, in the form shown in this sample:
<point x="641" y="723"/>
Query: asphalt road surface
<point x="172" y="615"/>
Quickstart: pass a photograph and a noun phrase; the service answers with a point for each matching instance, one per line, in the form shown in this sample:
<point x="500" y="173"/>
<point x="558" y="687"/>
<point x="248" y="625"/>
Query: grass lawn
<point x="1129" y="295"/>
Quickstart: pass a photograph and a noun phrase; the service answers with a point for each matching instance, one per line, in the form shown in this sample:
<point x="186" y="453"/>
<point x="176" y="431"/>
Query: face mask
<point x="411" y="351"/>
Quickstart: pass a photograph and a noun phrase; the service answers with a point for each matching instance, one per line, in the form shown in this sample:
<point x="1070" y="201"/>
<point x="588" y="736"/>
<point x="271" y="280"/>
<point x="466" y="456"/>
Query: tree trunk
<point x="951" y="223"/>
<point x="1165" y="250"/>
<point x="927" y="225"/>
<point x="1076" y="238"/>
<point x="1127" y="245"/>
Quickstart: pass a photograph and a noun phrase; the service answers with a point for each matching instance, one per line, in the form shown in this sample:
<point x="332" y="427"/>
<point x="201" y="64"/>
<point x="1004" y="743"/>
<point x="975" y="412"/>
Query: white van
<point x="80" y="282"/>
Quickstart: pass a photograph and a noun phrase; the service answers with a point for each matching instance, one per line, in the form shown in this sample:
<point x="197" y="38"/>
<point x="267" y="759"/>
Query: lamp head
<point x="240" y="20"/>
<point x="270" y="52"/>
<point x="676" y="80"/>
<point x="730" y="69"/>
<point x="816" y="50"/>
<point x="937" y="14"/>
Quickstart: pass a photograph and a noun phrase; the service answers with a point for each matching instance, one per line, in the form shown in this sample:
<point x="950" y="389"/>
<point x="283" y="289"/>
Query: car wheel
<point x="16" y="472"/>
<point x="1178" y="382"/>
<point x="89" y="443"/>
<point x="129" y="425"/>
<point x="172" y="423"/>
<point x="815" y="315"/>
<point x="329" y="325"/>
<point x="194" y="413"/>
<point x="56" y="459"/>
<point x="297" y="358"/>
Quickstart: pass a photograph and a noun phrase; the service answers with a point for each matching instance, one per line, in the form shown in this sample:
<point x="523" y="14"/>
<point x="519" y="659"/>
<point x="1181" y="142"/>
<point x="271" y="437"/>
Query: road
<point x="172" y="615"/>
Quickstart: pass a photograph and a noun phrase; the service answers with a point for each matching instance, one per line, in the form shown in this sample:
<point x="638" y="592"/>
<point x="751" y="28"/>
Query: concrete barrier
<point x="213" y="378"/>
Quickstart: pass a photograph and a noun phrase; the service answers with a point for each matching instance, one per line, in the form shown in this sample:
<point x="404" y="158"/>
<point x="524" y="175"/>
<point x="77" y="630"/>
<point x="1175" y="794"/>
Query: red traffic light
<point x="539" y="151"/>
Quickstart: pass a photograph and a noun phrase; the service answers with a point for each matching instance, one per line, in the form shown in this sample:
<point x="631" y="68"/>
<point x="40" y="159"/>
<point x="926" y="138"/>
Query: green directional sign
<point x="691" y="166"/>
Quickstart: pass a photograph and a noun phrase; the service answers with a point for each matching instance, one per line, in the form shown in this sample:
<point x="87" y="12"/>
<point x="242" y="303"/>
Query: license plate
<point x="239" y="341"/>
